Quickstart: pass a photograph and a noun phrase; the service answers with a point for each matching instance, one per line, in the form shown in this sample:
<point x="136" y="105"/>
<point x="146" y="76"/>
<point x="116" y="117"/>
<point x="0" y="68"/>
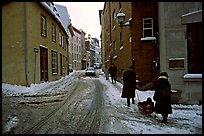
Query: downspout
<point x="110" y="32"/>
<point x="67" y="54"/>
<point x="25" y="41"/>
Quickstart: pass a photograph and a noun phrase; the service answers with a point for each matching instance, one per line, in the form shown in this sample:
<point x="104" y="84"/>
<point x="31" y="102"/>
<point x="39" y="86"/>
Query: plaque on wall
<point x="176" y="63"/>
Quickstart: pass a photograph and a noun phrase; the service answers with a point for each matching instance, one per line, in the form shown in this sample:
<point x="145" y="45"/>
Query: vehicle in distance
<point x="90" y="71"/>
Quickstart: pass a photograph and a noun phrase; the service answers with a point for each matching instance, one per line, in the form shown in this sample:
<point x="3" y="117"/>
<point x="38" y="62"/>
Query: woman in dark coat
<point x="163" y="102"/>
<point x="113" y="71"/>
<point x="129" y="85"/>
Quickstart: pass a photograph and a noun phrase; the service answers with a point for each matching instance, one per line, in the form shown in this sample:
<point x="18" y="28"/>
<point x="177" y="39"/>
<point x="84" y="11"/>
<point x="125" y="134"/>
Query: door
<point x="43" y="64"/>
<point x="147" y="62"/>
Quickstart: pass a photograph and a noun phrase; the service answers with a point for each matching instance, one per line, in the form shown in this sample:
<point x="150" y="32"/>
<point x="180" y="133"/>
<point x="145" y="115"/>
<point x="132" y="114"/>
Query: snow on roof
<point x="192" y="76"/>
<point x="190" y="13"/>
<point x="53" y="10"/>
<point x="148" y="38"/>
<point x="64" y="16"/>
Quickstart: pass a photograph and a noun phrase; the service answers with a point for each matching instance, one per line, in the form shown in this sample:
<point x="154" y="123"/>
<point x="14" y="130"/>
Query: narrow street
<point x="89" y="105"/>
<point x="76" y="110"/>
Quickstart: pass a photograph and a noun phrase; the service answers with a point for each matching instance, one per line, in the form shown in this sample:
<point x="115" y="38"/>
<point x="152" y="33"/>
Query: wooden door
<point x="43" y="64"/>
<point x="147" y="61"/>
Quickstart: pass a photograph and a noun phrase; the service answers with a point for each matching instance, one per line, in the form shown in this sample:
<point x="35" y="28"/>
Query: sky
<point x="85" y="16"/>
<point x="186" y="119"/>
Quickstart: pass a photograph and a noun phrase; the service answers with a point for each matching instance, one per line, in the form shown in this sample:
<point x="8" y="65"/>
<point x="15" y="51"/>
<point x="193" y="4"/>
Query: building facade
<point x="34" y="43"/>
<point x="76" y="49"/>
<point x="83" y="50"/>
<point x="97" y="53"/>
<point x="134" y="44"/>
<point x="156" y="37"/>
<point x="181" y="48"/>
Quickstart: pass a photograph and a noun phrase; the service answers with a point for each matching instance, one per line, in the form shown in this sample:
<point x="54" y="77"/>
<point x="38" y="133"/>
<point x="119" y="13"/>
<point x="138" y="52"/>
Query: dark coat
<point x="112" y="70"/>
<point x="162" y="105"/>
<point x="129" y="84"/>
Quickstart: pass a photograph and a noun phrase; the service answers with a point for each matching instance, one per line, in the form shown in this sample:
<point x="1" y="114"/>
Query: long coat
<point x="162" y="106"/>
<point x="129" y="84"/>
<point x="112" y="70"/>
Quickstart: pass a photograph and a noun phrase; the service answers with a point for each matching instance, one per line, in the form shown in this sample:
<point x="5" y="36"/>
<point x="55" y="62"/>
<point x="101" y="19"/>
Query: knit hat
<point x="163" y="75"/>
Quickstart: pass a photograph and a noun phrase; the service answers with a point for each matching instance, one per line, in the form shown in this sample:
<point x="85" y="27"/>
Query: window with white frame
<point x="147" y="27"/>
<point x="62" y="41"/>
<point x="43" y="26"/>
<point x="53" y="33"/>
<point x="60" y="38"/>
<point x="54" y="62"/>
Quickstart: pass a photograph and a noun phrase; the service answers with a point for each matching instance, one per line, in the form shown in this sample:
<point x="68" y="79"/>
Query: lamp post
<point x="121" y="20"/>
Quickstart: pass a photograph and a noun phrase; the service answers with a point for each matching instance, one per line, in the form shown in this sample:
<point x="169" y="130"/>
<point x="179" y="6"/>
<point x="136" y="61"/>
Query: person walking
<point x="113" y="72"/>
<point x="162" y="96"/>
<point x="106" y="72"/>
<point x="129" y="85"/>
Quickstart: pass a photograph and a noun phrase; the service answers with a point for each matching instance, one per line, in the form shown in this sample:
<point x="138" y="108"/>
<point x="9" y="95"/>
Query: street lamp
<point x="121" y="20"/>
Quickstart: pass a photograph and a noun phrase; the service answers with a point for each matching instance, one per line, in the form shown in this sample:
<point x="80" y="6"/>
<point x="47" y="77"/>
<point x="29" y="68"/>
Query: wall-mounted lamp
<point x="121" y="19"/>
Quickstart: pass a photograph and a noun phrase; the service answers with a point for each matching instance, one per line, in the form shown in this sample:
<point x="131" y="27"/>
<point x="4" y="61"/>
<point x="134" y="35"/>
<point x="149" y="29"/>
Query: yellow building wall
<point x="35" y="40"/>
<point x="13" y="47"/>
<point x="13" y="67"/>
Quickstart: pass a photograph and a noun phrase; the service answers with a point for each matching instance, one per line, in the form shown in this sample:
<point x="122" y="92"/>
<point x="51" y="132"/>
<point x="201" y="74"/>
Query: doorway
<point x="43" y="64"/>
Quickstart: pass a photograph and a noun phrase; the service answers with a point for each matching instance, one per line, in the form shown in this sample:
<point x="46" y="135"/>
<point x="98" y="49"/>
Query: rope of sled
<point x="138" y="99"/>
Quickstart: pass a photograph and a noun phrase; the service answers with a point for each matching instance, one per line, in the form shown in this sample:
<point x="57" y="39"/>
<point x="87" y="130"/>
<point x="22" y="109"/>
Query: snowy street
<point x="77" y="104"/>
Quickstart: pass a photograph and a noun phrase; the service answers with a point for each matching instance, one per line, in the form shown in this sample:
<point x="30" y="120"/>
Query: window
<point x="65" y="43"/>
<point x="194" y="48"/>
<point x="43" y="26"/>
<point x="60" y="38"/>
<point x="53" y="33"/>
<point x="63" y="61"/>
<point x="114" y="47"/>
<point x="113" y="18"/>
<point x="66" y="63"/>
<point x="147" y="27"/>
<point x="54" y="62"/>
<point x="62" y="42"/>
<point x="48" y="3"/>
<point x="121" y="38"/>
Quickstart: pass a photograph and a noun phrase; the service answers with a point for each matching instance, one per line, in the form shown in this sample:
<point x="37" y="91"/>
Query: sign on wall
<point x="176" y="63"/>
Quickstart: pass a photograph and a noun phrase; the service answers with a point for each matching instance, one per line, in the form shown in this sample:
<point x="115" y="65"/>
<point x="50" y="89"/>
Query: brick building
<point x="163" y="36"/>
<point x="135" y="44"/>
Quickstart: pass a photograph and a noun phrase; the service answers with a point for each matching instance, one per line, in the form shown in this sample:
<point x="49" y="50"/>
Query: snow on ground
<point x="188" y="118"/>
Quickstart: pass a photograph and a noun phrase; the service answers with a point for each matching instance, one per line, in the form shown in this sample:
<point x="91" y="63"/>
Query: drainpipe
<point x="110" y="31"/>
<point x="25" y="41"/>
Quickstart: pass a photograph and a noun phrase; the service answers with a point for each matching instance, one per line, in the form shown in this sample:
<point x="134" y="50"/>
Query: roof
<point x="76" y="30"/>
<point x="52" y="9"/>
<point x="64" y="16"/>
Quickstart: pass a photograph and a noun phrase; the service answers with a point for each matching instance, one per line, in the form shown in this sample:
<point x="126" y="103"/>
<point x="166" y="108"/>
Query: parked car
<point x="90" y="71"/>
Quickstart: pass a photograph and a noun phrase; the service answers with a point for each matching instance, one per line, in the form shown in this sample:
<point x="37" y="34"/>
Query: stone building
<point x="180" y="36"/>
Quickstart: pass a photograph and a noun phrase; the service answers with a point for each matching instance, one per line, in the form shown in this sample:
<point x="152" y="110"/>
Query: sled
<point x="146" y="107"/>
